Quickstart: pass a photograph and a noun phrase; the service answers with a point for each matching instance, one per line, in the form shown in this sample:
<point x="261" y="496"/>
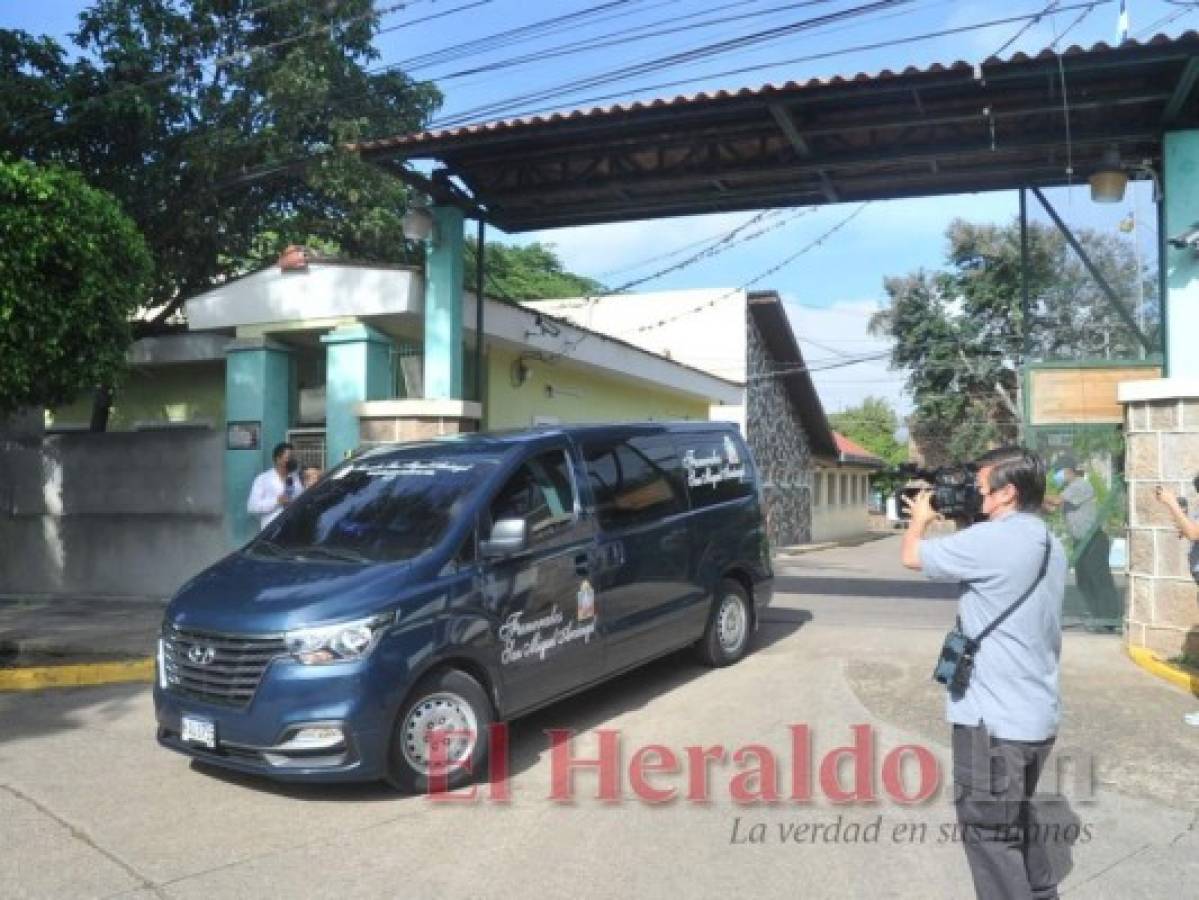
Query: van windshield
<point x="377" y="509"/>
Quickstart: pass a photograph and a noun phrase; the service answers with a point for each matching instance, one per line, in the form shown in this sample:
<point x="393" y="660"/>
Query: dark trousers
<point x="1094" y="575"/>
<point x="994" y="782"/>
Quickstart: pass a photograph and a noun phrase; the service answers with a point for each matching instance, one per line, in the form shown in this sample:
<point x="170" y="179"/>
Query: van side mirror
<point x="508" y="537"/>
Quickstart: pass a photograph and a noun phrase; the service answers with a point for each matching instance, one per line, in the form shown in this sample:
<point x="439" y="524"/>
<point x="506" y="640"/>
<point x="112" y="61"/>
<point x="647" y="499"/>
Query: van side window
<point x="716" y="466"/>
<point x="634" y="480"/>
<point x="541" y="493"/>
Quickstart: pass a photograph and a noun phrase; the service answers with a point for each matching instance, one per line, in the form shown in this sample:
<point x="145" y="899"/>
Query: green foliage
<point x="531" y="272"/>
<point x="72" y="270"/>
<point x="219" y="125"/>
<point x="962" y="334"/>
<point x="872" y="424"/>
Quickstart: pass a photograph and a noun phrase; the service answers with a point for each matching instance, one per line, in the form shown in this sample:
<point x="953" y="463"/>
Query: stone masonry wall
<point x="781" y="448"/>
<point x="1163" y="599"/>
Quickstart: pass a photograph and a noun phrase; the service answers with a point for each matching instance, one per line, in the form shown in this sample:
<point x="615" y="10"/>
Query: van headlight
<point x="342" y="642"/>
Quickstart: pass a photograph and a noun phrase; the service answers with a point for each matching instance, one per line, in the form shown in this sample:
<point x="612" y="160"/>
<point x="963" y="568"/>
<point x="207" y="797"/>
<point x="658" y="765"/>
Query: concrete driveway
<point x="90" y="806"/>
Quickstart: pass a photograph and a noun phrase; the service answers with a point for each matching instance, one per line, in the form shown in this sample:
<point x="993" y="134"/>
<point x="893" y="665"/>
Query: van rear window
<point x="716" y="466"/>
<point x="635" y="480"/>
<point x="380" y="509"/>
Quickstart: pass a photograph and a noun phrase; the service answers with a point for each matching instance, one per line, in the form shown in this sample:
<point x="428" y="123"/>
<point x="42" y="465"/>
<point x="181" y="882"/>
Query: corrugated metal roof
<point x="768" y="90"/>
<point x="912" y="132"/>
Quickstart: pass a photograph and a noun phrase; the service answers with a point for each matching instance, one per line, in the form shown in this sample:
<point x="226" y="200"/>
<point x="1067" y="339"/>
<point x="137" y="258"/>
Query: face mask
<point x="1196" y="484"/>
<point x="292" y="465"/>
<point x="1058" y="478"/>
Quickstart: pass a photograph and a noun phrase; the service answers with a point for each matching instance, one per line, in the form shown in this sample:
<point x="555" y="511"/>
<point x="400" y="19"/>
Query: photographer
<point x="1005" y="717"/>
<point x="1187" y="528"/>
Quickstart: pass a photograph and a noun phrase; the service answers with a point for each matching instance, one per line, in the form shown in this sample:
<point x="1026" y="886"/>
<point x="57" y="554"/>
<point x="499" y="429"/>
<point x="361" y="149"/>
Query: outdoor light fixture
<point x="419" y="225"/>
<point x="1107" y="184"/>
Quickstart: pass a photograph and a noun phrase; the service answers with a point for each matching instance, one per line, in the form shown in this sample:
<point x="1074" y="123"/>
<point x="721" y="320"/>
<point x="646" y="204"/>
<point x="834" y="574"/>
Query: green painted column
<point x="357" y="368"/>
<point x="1180" y="307"/>
<point x="259" y="383"/>
<point x="443" y="305"/>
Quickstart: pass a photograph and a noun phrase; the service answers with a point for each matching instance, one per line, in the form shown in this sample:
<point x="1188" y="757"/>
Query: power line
<point x="813" y="57"/>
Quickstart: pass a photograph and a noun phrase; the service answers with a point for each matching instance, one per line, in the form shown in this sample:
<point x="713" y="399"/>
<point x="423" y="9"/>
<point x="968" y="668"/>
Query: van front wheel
<point x="726" y="638"/>
<point x="442" y="729"/>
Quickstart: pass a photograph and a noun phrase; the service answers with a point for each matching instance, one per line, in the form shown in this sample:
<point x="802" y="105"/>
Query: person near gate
<point x="1092" y="548"/>
<point x="1005" y="709"/>
<point x="275" y="488"/>
<point x="1188" y="528"/>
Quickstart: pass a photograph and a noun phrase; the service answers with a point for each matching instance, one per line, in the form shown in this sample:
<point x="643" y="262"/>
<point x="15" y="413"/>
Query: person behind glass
<point x="1091" y="566"/>
<point x="276" y="487"/>
<point x="1188" y="528"/>
<point x="310" y="475"/>
<point x="1006" y="720"/>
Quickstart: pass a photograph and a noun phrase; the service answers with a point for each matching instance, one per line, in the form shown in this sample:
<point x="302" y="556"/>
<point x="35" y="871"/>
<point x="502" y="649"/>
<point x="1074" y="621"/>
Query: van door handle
<point x="583" y="564"/>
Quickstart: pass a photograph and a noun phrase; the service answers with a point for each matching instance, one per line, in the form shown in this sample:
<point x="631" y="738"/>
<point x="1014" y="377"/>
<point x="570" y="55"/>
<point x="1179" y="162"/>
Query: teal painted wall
<point x="443" y="306"/>
<point x="357" y="368"/>
<point x="258" y="388"/>
<point x="1181" y="308"/>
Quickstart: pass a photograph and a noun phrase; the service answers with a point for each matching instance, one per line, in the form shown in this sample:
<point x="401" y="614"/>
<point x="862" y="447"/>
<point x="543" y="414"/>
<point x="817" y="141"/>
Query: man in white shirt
<point x="1188" y="527"/>
<point x="276" y="487"/>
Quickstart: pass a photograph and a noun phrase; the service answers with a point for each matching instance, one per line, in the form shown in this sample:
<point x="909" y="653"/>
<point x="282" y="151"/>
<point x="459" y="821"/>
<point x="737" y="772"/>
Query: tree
<point x="962" y="335"/>
<point x="531" y="272"/>
<point x="872" y="424"/>
<point x="220" y="126"/>
<point x="73" y="268"/>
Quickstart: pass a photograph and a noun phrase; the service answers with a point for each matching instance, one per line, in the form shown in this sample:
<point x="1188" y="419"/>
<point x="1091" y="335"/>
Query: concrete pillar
<point x="259" y="381"/>
<point x="1180" y="306"/>
<point x="443" y="306"/>
<point x="358" y="369"/>
<point x="1162" y="428"/>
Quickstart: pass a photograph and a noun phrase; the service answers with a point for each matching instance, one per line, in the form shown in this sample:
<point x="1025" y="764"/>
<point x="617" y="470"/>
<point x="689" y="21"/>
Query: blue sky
<point x="830" y="290"/>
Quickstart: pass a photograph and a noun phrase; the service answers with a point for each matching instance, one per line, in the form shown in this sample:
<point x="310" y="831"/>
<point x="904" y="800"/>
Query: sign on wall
<point x="243" y="435"/>
<point x="1082" y="395"/>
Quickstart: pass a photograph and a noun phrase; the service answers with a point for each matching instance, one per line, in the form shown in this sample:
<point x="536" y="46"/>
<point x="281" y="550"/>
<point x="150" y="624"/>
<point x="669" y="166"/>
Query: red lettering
<point x="563" y="764"/>
<point x="499" y="787"/>
<point x="439" y="782"/>
<point x="801" y="764"/>
<point x="758" y="785"/>
<point x="699" y="787"/>
<point x="665" y="762"/>
<point x="930" y="774"/>
<point x="862" y="754"/>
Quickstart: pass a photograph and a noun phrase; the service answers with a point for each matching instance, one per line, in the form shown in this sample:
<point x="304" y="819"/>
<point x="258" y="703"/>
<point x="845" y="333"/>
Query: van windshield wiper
<point x="340" y="553"/>
<point x="269" y="548"/>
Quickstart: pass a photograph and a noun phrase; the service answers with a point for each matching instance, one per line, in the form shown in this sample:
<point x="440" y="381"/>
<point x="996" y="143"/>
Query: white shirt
<point x="264" y="495"/>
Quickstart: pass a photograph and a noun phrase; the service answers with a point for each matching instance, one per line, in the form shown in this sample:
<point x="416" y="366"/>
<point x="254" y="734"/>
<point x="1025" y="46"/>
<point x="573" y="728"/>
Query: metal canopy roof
<point x="920" y="132"/>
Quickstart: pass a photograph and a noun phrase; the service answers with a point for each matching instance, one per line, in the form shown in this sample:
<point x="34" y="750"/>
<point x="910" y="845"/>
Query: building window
<point x="844" y="490"/>
<point x="816" y="480"/>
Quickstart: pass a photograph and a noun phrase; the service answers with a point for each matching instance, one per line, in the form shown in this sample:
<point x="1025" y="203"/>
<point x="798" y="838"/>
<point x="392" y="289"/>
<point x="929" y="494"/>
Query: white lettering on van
<point x="537" y="637"/>
<point x="702" y="470"/>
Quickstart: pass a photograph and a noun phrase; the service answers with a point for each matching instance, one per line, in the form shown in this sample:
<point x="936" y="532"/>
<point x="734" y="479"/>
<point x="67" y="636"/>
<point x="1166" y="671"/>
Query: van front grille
<point x="217" y="668"/>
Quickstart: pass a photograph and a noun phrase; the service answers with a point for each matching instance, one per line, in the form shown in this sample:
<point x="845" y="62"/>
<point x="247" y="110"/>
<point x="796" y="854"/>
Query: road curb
<point x="1150" y="662"/>
<point x="36" y="678"/>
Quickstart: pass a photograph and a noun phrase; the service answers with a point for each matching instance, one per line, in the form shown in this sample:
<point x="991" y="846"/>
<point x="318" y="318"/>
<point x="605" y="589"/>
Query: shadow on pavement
<point x="901" y="589"/>
<point x="580" y="713"/>
<point x="30" y="714"/>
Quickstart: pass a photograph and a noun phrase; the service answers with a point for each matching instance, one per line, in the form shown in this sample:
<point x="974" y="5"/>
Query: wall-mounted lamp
<point x="1108" y="183"/>
<point x="418" y="224"/>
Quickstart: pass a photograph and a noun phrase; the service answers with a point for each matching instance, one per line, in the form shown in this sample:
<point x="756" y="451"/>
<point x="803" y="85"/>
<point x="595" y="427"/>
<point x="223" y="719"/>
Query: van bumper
<point x="254" y="739"/>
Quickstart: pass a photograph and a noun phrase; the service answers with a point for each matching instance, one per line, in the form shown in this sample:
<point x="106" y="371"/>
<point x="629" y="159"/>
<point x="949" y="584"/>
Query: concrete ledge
<point x="36" y="678"/>
<point x="1159" y="389"/>
<point x="1150" y="662"/>
<point x="419" y="408"/>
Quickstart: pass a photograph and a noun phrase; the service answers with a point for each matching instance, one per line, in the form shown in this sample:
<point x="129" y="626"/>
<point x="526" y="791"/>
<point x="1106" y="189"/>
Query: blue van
<point x="421" y="592"/>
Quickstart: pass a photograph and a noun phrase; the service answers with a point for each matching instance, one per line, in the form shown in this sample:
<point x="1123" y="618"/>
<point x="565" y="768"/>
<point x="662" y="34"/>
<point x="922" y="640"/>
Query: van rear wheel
<point x="443" y="727"/>
<point x="726" y="638"/>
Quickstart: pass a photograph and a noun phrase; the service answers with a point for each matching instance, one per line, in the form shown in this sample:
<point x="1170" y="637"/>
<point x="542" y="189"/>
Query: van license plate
<point x="199" y="731"/>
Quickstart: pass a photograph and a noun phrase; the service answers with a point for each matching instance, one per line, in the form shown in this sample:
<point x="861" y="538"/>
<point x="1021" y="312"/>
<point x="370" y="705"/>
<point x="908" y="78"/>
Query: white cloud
<point x="841" y="329"/>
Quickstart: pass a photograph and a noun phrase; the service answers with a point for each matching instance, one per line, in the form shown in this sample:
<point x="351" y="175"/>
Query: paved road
<point x="90" y="807"/>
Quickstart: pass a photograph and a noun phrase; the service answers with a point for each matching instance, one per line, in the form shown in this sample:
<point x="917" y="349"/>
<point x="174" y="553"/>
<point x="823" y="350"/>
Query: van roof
<point x="503" y="439"/>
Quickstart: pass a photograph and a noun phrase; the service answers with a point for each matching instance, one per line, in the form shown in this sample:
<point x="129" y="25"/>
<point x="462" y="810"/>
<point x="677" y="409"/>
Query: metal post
<point x="479" y="301"/>
<point x="1025" y="306"/>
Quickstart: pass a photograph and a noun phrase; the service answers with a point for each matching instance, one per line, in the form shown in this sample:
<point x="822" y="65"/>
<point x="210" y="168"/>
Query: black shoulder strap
<point x="1032" y="587"/>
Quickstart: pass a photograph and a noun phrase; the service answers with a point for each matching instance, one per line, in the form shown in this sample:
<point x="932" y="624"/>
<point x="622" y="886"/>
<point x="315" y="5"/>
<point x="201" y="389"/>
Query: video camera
<point x="955" y="493"/>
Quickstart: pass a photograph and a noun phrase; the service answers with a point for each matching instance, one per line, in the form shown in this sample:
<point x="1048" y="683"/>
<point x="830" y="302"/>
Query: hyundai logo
<point x="201" y="656"/>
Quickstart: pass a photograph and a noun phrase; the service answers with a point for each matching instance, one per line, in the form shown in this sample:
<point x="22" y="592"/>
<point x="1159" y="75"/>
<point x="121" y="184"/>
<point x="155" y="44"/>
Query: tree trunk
<point x="101" y="406"/>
